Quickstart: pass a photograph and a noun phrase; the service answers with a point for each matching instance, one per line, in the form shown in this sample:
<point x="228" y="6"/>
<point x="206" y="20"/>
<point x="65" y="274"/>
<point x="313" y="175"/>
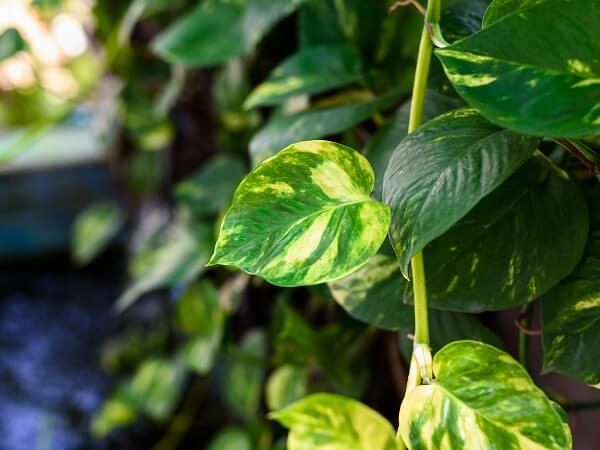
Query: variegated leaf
<point x="304" y="216"/>
<point x="548" y="84"/>
<point x="441" y="171"/>
<point x="481" y="398"/>
<point x="310" y="71"/>
<point x="572" y="312"/>
<point x="333" y="422"/>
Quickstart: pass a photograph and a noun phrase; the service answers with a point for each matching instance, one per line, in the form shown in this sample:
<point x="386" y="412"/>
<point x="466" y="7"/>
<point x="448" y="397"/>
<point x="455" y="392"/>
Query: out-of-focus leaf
<point x="231" y="439"/>
<point x="211" y="189"/>
<point x="200" y="316"/>
<point x="245" y="374"/>
<point x="286" y="385"/>
<point x="93" y="230"/>
<point x="217" y="30"/>
<point x="328" y="421"/>
<point x="156" y="387"/>
<point x="310" y="71"/>
<point x="11" y="42"/>
<point x="283" y="130"/>
<point x="116" y="412"/>
<point x="177" y="256"/>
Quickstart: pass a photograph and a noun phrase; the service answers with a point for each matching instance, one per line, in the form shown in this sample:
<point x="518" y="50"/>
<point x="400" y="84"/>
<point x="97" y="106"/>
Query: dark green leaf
<point x="481" y="398"/>
<point x="11" y="42"/>
<point x="548" y="84"/>
<point x="501" y="8"/>
<point x="572" y="312"/>
<point x="441" y="171"/>
<point x="217" y="30"/>
<point x="515" y="245"/>
<point x="461" y="18"/>
<point x="310" y="71"/>
<point x="327" y="421"/>
<point x="211" y="189"/>
<point x="304" y="217"/>
<point x="283" y="130"/>
<point x="380" y="148"/>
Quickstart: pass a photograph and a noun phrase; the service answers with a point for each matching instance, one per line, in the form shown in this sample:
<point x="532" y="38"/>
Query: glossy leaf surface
<point x="283" y="130"/>
<point x="548" y="84"/>
<point x="481" y="398"/>
<point x="310" y="71"/>
<point x="515" y="245"/>
<point x="441" y="171"/>
<point x="304" y="217"/>
<point x="332" y="422"/>
<point x="499" y="9"/>
<point x="571" y="312"/>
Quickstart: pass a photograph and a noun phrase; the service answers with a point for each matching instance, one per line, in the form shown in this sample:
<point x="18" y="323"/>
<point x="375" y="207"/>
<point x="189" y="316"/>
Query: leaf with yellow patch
<point x="481" y="398"/>
<point x="304" y="216"/>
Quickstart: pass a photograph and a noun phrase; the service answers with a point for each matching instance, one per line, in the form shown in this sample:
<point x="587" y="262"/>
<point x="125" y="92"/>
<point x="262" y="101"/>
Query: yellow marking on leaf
<point x="579" y="67"/>
<point x="335" y="182"/>
<point x="301" y="249"/>
<point x="588" y="303"/>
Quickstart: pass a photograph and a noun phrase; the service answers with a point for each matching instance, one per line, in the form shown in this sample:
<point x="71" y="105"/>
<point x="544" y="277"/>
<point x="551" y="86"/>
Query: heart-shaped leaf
<point x="481" y="398"/>
<point x="546" y="85"/>
<point x="441" y="171"/>
<point x="333" y="422"/>
<point x="304" y="216"/>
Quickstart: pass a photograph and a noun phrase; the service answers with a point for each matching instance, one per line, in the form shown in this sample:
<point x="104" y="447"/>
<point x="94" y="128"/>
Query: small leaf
<point x="199" y="315"/>
<point x="217" y="30"/>
<point x="514" y="246"/>
<point x="231" y="439"/>
<point x="517" y="86"/>
<point x="286" y="385"/>
<point x="571" y="312"/>
<point x="480" y="398"/>
<point x="175" y="257"/>
<point x="304" y="216"/>
<point x="283" y="130"/>
<point x="11" y="42"/>
<point x="244" y="377"/>
<point x="211" y="189"/>
<point x="116" y="412"/>
<point x="93" y="230"/>
<point x="332" y="422"/>
<point x="310" y="71"/>
<point x="441" y="171"/>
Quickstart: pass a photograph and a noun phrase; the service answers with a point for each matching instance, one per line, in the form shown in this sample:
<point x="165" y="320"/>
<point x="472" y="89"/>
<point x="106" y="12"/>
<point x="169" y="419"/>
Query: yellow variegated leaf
<point x="481" y="399"/>
<point x="304" y="216"/>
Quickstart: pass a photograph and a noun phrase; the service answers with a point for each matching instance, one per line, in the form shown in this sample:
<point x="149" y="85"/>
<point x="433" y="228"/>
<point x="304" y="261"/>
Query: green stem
<point x="525" y="321"/>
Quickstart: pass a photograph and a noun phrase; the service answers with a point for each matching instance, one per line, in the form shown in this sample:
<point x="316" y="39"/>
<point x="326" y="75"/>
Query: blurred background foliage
<point x="150" y="112"/>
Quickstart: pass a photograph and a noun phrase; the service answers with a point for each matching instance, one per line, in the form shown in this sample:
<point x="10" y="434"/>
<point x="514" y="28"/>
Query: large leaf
<point x="304" y="216"/>
<point x="383" y="143"/>
<point x="93" y="230"/>
<point x="332" y="422"/>
<point x="545" y="86"/>
<point x="200" y="316"/>
<point x="283" y="130"/>
<point x="515" y="245"/>
<point x="211" y="189"/>
<point x="441" y="171"/>
<point x="217" y="30"/>
<point x="175" y="257"/>
<point x="481" y="398"/>
<point x="501" y="8"/>
<point x="571" y="313"/>
<point x="310" y="71"/>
